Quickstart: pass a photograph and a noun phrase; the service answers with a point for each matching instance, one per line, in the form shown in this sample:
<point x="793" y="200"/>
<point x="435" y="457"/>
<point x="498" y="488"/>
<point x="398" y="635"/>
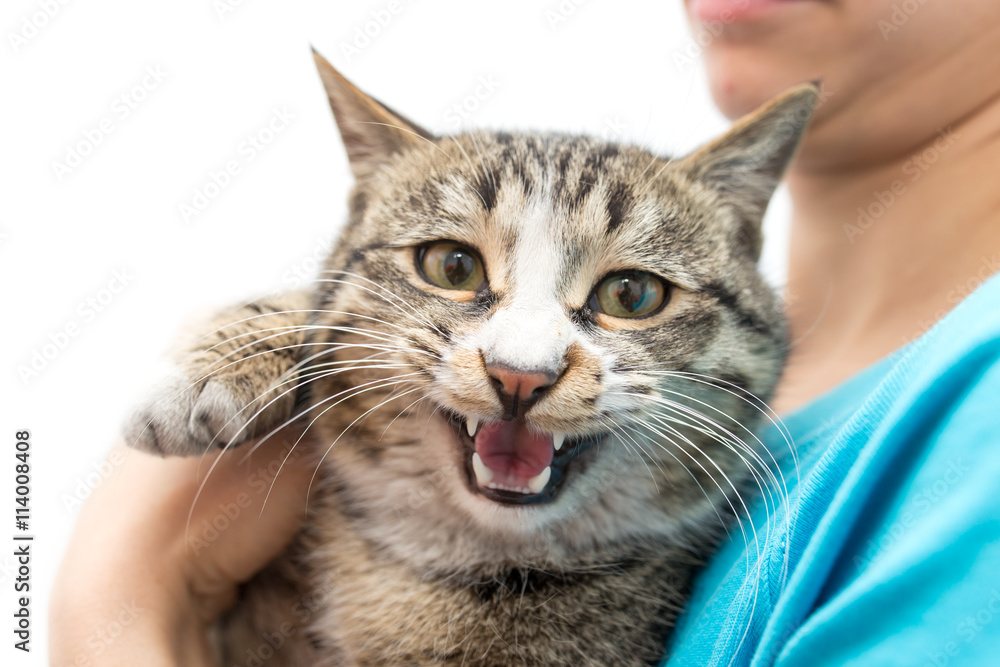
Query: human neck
<point x="880" y="254"/>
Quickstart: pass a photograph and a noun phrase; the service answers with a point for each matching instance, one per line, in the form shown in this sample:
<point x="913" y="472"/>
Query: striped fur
<point x="401" y="562"/>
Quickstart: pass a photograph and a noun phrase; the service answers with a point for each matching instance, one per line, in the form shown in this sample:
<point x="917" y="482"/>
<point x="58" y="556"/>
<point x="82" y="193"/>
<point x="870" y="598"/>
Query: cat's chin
<point x="509" y="463"/>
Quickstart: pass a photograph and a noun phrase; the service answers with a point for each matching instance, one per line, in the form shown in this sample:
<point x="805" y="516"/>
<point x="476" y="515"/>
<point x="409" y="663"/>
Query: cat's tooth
<point x="557" y="440"/>
<point x="470" y="425"/>
<point x="483" y="474"/>
<point x="538" y="482"/>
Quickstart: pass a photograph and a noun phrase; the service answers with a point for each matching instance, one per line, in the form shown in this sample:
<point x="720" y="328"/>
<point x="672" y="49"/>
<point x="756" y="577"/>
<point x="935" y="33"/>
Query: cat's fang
<point x="538" y="482"/>
<point x="557" y="440"/>
<point x="483" y="474"/>
<point x="470" y="425"/>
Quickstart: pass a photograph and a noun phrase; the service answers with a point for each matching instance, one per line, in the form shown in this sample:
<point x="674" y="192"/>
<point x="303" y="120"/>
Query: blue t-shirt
<point x="888" y="550"/>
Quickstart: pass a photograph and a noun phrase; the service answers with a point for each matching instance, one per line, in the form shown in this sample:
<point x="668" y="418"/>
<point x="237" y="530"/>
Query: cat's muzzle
<point x="509" y="462"/>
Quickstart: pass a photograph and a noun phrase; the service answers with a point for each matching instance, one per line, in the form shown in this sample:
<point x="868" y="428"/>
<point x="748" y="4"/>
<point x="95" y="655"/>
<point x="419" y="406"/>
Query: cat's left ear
<point x="746" y="164"/>
<point x="371" y="131"/>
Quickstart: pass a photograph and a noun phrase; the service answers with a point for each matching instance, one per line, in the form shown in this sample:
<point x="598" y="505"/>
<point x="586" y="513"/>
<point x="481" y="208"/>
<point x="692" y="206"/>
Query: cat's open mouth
<point x="509" y="463"/>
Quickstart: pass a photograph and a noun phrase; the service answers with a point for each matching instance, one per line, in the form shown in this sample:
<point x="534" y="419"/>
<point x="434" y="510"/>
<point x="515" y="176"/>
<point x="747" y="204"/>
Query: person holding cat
<point x="894" y="369"/>
<point x="887" y="547"/>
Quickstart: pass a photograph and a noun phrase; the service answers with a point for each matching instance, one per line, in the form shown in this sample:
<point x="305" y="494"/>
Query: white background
<point x="620" y="68"/>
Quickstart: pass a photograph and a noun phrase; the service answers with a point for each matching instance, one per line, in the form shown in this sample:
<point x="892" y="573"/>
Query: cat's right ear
<point x="746" y="163"/>
<point x="371" y="131"/>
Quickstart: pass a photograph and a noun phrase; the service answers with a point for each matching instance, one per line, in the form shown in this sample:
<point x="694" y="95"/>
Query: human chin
<point x="742" y="79"/>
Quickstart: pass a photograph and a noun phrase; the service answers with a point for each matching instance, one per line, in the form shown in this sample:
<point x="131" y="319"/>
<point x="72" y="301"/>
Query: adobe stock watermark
<point x="702" y="38"/>
<point x="85" y="313"/>
<point x="302" y="612"/>
<point x="916" y="507"/>
<point x="898" y="17"/>
<point x="378" y="21"/>
<point x="104" y="637"/>
<point x="560" y="13"/>
<point x="259" y="482"/>
<point x="306" y="269"/>
<point x="989" y="267"/>
<point x="217" y="180"/>
<point x="968" y="629"/>
<point x="223" y="8"/>
<point x="87" y="484"/>
<point x="462" y="110"/>
<point x="426" y="491"/>
<point x="31" y="25"/>
<point x="77" y="152"/>
<point x="613" y="129"/>
<point x="914" y="168"/>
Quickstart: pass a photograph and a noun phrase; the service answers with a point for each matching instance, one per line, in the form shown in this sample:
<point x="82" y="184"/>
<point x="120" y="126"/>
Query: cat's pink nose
<point x="518" y="390"/>
<point x="521" y="384"/>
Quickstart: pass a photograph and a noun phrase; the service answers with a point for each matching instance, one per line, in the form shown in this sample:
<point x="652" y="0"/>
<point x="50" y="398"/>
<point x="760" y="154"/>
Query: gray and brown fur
<point x="400" y="563"/>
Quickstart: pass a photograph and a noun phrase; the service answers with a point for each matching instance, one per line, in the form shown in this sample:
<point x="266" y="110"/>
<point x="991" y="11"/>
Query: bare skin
<point x="895" y="83"/>
<point x="854" y="303"/>
<point x="139" y="585"/>
<point x="856" y="291"/>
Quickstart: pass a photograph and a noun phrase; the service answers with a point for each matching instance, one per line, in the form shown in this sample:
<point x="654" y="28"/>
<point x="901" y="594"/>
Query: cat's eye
<point x="452" y="266"/>
<point x="629" y="294"/>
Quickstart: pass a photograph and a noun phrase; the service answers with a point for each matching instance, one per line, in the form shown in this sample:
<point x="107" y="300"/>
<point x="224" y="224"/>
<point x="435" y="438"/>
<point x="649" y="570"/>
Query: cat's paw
<point x="184" y="418"/>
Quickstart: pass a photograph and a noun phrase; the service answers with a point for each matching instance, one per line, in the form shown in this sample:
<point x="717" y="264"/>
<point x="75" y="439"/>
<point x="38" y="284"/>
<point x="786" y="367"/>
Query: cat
<point x="529" y="368"/>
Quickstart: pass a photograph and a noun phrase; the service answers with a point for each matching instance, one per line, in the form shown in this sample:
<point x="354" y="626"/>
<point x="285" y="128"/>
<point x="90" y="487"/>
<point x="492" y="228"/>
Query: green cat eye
<point x="452" y="266"/>
<point x="629" y="294"/>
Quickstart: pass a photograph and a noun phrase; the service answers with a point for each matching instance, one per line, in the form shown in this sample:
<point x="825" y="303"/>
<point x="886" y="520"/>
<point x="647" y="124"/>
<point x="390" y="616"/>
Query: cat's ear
<point x="746" y="164"/>
<point x="372" y="132"/>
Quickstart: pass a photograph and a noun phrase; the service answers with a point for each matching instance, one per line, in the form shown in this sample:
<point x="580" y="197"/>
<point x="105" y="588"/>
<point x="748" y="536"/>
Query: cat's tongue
<point x="514" y="455"/>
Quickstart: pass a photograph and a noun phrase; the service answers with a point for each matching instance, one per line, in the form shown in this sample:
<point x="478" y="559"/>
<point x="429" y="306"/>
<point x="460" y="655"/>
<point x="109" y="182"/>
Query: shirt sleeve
<point x="917" y="581"/>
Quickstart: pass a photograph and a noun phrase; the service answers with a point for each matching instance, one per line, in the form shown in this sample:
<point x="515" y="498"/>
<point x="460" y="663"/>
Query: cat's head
<point x="545" y="341"/>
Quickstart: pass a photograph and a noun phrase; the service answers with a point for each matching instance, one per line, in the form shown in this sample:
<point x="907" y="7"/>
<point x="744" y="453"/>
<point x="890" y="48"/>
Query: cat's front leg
<point x="235" y="379"/>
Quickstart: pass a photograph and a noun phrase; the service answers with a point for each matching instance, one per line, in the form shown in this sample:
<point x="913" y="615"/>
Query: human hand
<point x="140" y="583"/>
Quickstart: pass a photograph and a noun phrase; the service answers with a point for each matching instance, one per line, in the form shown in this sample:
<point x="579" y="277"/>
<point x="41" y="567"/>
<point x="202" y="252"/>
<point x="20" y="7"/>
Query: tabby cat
<point x="528" y="368"/>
